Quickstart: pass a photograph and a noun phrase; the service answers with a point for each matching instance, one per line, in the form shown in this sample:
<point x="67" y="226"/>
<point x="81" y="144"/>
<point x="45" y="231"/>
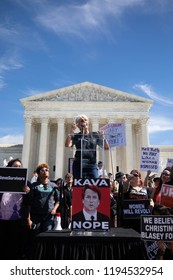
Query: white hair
<point x="79" y="117"/>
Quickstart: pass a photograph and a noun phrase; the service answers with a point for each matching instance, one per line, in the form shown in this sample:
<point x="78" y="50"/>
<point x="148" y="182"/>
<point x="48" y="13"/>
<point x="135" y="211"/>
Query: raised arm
<point x="101" y="134"/>
<point x="68" y="141"/>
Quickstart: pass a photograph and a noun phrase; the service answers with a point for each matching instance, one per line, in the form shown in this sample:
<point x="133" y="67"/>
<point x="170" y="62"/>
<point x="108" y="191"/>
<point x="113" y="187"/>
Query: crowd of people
<point x="23" y="216"/>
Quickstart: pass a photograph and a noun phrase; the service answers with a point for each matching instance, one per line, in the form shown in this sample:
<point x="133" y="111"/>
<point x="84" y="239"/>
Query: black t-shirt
<point x="42" y="197"/>
<point x="89" y="144"/>
<point x="132" y="193"/>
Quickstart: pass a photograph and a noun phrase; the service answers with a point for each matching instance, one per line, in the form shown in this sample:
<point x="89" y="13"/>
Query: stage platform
<point x="115" y="244"/>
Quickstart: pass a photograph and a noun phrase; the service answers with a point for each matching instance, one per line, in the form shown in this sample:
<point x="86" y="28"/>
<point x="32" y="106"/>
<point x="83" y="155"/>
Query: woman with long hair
<point x="134" y="189"/>
<point x="164" y="178"/>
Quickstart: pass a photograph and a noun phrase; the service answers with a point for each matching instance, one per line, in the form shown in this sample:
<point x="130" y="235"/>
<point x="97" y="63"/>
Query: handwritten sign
<point x="150" y="159"/>
<point x="115" y="134"/>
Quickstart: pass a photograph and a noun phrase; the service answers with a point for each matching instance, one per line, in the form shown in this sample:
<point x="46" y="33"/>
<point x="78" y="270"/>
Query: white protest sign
<point x="150" y="159"/>
<point x="115" y="134"/>
<point x="169" y="162"/>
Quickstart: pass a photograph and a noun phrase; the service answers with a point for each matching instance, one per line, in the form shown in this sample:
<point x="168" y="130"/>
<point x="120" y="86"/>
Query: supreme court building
<point x="49" y="115"/>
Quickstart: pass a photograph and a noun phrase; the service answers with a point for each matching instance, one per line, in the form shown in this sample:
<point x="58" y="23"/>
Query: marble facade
<point x="49" y="115"/>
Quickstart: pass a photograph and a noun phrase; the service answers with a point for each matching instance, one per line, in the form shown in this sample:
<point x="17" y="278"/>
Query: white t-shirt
<point x="102" y="172"/>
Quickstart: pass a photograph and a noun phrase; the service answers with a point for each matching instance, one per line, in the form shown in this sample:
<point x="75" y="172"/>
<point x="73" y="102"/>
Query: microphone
<point x="83" y="124"/>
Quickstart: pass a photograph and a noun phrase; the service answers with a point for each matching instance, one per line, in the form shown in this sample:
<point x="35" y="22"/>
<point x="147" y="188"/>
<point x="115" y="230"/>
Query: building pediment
<point x="85" y="92"/>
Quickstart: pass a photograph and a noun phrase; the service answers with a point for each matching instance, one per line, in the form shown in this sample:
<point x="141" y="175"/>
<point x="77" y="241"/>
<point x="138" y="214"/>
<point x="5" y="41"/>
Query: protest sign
<point x="91" y="204"/>
<point x="166" y="197"/>
<point x="155" y="227"/>
<point x="169" y="162"/>
<point x="150" y="159"/>
<point x="12" y="179"/>
<point x="152" y="249"/>
<point x="115" y="134"/>
<point x="134" y="208"/>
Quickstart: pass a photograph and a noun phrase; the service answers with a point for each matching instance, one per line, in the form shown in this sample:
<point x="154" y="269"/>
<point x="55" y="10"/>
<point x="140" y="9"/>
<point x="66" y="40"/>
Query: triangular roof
<point x="86" y="92"/>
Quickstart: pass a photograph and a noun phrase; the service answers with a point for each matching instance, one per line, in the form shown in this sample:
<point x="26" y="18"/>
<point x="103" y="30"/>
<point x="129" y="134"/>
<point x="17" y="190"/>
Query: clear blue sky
<point x="123" y="44"/>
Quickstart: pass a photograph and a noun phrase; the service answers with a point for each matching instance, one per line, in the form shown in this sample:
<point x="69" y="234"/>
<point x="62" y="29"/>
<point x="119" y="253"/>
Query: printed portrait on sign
<point x="91" y="207"/>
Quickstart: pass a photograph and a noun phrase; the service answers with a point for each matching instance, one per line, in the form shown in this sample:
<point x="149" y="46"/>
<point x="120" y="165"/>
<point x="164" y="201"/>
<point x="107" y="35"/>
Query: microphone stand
<point x="120" y="205"/>
<point x="103" y="153"/>
<point x="65" y="206"/>
<point x="81" y="156"/>
<point x="61" y="202"/>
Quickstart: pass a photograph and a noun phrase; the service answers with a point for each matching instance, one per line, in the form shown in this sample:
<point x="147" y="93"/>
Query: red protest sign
<point x="166" y="197"/>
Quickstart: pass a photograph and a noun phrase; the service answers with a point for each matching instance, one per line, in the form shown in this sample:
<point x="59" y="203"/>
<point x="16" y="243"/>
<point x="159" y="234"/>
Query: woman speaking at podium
<point x="86" y="142"/>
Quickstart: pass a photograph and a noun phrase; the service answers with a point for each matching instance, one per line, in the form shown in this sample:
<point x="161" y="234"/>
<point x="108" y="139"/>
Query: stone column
<point x="27" y="141"/>
<point x="95" y="123"/>
<point x="138" y="144"/>
<point x="144" y="132"/>
<point x="129" y="158"/>
<point x="42" y="158"/>
<point x="60" y="144"/>
<point x="144" y="138"/>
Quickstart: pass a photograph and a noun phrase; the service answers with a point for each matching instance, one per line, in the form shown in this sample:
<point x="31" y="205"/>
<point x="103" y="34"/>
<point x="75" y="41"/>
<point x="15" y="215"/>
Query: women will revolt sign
<point x="91" y="204"/>
<point x="155" y="227"/>
<point x="12" y="179"/>
<point x="134" y="208"/>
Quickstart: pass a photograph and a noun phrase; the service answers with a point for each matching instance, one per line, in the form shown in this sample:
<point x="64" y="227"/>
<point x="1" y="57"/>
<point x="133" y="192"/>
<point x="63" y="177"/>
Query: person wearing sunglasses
<point x="43" y="201"/>
<point x="134" y="189"/>
<point x="165" y="178"/>
<point x="135" y="185"/>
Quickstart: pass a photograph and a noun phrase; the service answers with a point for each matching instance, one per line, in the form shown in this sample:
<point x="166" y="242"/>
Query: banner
<point x="166" y="197"/>
<point x="150" y="159"/>
<point x="12" y="179"/>
<point x="134" y="208"/>
<point x="155" y="227"/>
<point x="115" y="134"/>
<point x="91" y="204"/>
